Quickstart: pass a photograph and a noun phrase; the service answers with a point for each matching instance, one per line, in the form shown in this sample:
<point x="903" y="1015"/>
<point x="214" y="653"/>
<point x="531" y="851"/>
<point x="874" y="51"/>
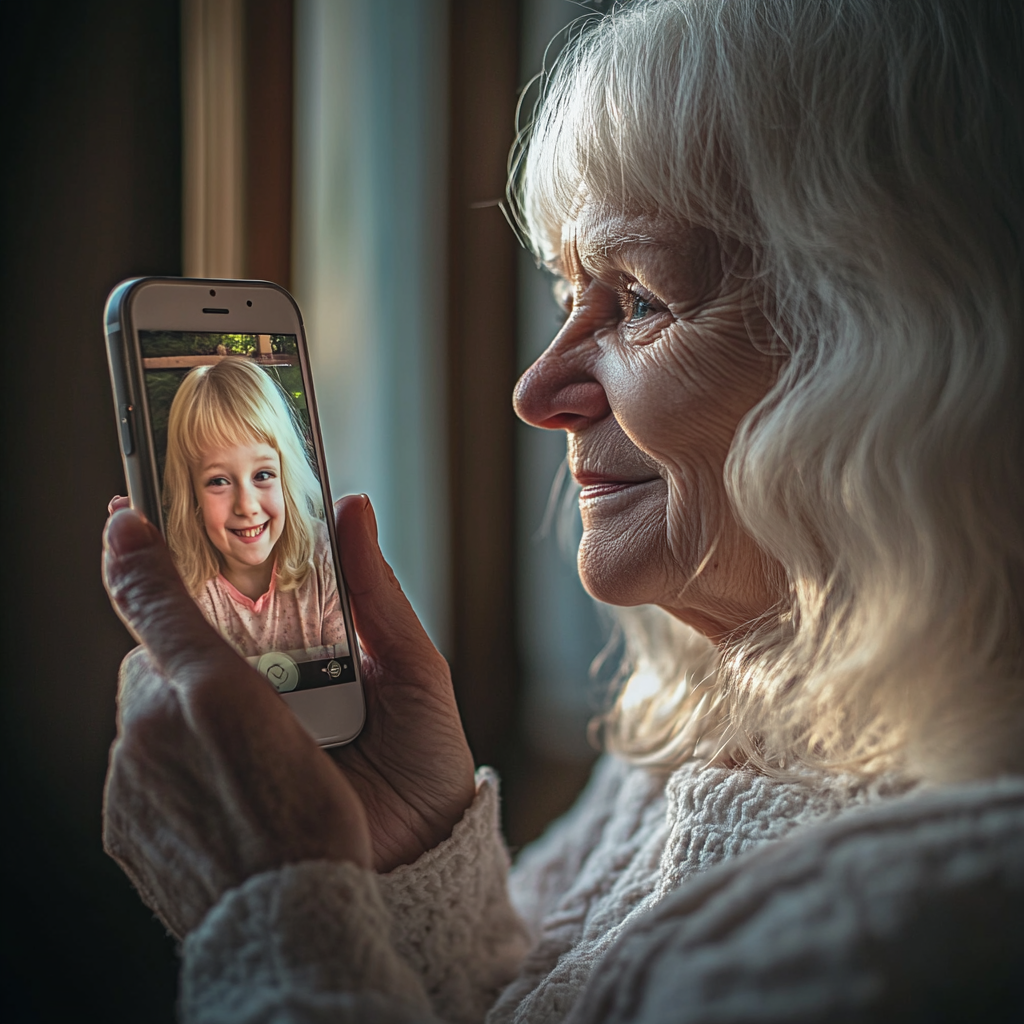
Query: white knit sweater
<point x="714" y="896"/>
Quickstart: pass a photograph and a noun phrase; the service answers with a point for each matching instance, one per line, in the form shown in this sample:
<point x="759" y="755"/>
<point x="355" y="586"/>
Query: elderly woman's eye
<point x="640" y="308"/>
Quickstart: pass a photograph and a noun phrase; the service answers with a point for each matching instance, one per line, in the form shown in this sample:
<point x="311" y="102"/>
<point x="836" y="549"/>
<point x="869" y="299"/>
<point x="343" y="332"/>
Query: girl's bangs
<point x="214" y="423"/>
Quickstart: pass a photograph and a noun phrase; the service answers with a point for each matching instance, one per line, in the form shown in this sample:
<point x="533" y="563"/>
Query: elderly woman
<point x="790" y="238"/>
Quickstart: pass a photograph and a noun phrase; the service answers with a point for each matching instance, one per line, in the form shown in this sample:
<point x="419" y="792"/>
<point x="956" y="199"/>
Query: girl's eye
<point x="263" y="475"/>
<point x="217" y="481"/>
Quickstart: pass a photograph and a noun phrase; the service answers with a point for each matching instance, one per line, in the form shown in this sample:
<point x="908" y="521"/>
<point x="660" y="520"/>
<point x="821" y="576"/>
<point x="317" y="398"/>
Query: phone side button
<point x="127" y="435"/>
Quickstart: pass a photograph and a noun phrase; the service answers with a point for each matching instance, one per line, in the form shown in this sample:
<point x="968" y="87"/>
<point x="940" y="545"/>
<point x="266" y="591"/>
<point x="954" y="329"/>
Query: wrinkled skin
<point x="211" y="778"/>
<point x="661" y="356"/>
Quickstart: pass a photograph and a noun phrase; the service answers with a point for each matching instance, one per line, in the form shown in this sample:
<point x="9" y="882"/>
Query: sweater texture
<point x="710" y="894"/>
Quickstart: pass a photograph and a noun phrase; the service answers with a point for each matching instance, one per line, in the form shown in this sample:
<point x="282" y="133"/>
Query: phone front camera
<point x="213" y="291"/>
<point x="248" y="302"/>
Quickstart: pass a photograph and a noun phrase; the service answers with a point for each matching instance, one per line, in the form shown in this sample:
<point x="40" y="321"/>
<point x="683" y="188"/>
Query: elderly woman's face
<point x="662" y="355"/>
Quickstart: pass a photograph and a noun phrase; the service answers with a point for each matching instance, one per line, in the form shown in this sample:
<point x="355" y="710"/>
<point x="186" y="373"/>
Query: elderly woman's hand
<point x="411" y="765"/>
<point x="211" y="777"/>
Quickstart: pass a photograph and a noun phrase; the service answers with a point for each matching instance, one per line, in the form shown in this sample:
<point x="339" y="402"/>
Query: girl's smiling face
<point x="238" y="489"/>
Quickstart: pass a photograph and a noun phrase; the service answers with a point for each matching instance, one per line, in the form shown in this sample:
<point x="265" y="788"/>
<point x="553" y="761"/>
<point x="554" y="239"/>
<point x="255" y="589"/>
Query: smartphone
<point x="221" y="447"/>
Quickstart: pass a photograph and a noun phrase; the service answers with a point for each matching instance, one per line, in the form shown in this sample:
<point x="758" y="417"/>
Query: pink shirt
<point x="305" y="622"/>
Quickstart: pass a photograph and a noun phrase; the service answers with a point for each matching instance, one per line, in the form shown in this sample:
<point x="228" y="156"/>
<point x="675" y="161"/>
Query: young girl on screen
<point x="245" y="515"/>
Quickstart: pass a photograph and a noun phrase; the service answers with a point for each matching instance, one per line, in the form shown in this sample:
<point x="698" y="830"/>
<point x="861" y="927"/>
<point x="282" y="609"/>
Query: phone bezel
<point x="184" y="304"/>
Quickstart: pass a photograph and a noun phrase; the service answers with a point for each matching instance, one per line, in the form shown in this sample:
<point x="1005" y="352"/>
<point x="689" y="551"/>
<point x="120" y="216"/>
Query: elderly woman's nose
<point x="556" y="394"/>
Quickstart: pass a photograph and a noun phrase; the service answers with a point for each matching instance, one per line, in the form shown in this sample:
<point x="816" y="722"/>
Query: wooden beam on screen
<point x="481" y="371"/>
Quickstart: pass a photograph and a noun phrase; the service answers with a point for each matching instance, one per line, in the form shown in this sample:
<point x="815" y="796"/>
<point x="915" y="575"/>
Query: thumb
<point x="147" y="593"/>
<point x="388" y="628"/>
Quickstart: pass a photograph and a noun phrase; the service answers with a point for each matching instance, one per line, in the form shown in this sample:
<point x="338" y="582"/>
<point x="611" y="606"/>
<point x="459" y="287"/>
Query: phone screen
<point x="244" y="508"/>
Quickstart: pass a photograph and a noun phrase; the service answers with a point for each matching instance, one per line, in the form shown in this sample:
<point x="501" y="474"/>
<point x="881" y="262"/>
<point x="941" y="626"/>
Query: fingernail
<point x="368" y="507"/>
<point x="128" y="531"/>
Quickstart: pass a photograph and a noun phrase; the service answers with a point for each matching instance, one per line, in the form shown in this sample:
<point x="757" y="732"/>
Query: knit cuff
<point x="291" y="935"/>
<point x="452" y="920"/>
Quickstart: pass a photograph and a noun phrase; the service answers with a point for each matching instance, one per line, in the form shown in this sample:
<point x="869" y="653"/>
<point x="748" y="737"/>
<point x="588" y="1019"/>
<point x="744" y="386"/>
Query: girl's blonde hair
<point x="236" y="402"/>
<point x="869" y="155"/>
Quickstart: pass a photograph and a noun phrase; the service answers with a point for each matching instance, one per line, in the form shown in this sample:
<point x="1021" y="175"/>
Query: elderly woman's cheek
<point x="694" y="509"/>
<point x="623" y="558"/>
<point x="662" y="393"/>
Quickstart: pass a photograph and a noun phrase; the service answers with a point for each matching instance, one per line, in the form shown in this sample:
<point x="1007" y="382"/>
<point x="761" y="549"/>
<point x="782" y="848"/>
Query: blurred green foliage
<point x="189" y="343"/>
<point x="161" y="387"/>
<point x="204" y="343"/>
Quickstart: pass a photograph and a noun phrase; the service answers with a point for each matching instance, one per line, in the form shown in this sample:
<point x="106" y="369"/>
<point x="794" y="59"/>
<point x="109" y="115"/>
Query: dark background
<point x="90" y="193"/>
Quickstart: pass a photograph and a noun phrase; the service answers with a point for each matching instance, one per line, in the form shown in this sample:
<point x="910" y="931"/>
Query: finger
<point x="148" y="594"/>
<point x="223" y="698"/>
<point x="388" y="628"/>
<point x="116" y="502"/>
<point x="220" y="693"/>
<point x="136" y="680"/>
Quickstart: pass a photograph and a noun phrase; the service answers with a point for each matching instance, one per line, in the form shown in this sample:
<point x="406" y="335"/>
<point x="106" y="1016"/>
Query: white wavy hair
<point x="870" y="156"/>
